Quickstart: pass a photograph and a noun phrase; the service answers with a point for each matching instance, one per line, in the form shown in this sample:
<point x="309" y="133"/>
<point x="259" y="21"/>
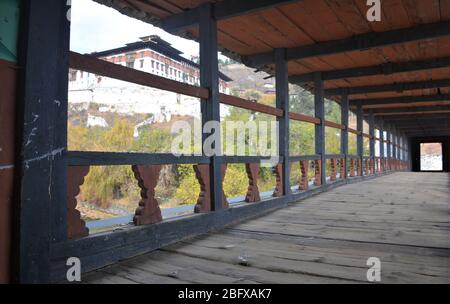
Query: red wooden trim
<point x="304" y="118"/>
<point x="354" y="131"/>
<point x="100" y="67"/>
<point x="332" y="124"/>
<point x="76" y="227"/>
<point x="249" y="105"/>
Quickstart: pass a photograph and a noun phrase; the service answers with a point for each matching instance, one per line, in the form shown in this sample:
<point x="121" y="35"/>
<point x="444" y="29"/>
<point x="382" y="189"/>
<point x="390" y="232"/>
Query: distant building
<point x="152" y="55"/>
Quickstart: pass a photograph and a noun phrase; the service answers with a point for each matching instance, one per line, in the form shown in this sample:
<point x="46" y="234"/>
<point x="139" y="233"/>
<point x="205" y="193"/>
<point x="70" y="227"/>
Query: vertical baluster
<point x="148" y="211"/>
<point x="333" y="169"/>
<point x="318" y="172"/>
<point x="304" y="166"/>
<point x="253" y="190"/>
<point x="76" y="227"/>
<point x="202" y="174"/>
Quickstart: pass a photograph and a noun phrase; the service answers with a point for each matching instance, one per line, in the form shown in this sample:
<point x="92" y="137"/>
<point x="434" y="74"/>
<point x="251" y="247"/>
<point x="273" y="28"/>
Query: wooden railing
<point x="147" y="167"/>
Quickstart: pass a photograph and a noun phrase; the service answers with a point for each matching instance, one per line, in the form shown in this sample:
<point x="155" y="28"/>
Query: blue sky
<point x="96" y="27"/>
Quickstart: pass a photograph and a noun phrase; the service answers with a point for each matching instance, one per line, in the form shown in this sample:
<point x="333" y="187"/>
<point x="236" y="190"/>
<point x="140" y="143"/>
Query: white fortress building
<point x="152" y="55"/>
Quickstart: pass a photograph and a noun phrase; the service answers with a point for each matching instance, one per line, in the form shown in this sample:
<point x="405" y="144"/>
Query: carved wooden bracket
<point x="318" y="172"/>
<point x="76" y="227"/>
<point x="333" y="169"/>
<point x="148" y="211"/>
<point x="278" y="171"/>
<point x="304" y="182"/>
<point x="352" y="168"/>
<point x="342" y="173"/>
<point x="253" y="190"/>
<point x="204" y="199"/>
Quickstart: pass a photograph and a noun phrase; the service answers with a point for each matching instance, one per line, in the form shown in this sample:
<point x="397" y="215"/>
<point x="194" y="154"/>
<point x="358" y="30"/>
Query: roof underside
<point x="294" y="24"/>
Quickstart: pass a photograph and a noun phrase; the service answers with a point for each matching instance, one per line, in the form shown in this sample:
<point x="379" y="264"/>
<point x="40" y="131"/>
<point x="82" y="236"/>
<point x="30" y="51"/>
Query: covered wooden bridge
<point x="394" y="74"/>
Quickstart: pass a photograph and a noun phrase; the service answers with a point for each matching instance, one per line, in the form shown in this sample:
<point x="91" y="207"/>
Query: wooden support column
<point x="382" y="156"/>
<point x="282" y="102"/>
<point x="360" y="138"/>
<point x="389" y="147"/>
<point x="394" y="149"/>
<point x="344" y="135"/>
<point x="209" y="79"/>
<point x="42" y="107"/>
<point x="372" y="141"/>
<point x="319" y="105"/>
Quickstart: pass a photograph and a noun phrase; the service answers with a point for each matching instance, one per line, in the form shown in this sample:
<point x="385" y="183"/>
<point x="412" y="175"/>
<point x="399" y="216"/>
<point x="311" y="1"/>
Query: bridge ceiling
<point x="410" y="45"/>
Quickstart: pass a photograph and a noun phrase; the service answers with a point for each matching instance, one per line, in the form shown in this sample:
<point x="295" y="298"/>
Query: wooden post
<point x="382" y="156"/>
<point x="319" y="105"/>
<point x="388" y="147"/>
<point x="42" y="107"/>
<point x="372" y="141"/>
<point x="344" y="134"/>
<point x="360" y="138"/>
<point x="209" y="79"/>
<point x="282" y="102"/>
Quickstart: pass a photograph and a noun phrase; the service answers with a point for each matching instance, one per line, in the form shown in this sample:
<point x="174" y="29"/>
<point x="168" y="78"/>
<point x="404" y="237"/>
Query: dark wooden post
<point x="42" y="105"/>
<point x="282" y="102"/>
<point x="319" y="105"/>
<point x="372" y="141"/>
<point x="360" y="138"/>
<point x="209" y="78"/>
<point x="394" y="148"/>
<point x="388" y="147"/>
<point x="382" y="156"/>
<point x="344" y="133"/>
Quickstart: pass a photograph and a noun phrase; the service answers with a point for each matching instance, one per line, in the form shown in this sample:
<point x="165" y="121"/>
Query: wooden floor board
<point x="403" y="219"/>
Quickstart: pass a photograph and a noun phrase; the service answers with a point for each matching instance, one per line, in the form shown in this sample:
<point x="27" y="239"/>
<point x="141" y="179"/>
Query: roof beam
<point x="414" y="118"/>
<point x="356" y="43"/>
<point x="221" y="10"/>
<point x="402" y="99"/>
<point x="383" y="69"/>
<point x="416" y="110"/>
<point x="396" y="87"/>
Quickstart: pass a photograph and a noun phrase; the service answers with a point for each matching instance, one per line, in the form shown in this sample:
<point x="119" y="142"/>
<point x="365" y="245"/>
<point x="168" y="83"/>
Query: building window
<point x="142" y="63"/>
<point x="130" y="64"/>
<point x="153" y="64"/>
<point x="73" y="76"/>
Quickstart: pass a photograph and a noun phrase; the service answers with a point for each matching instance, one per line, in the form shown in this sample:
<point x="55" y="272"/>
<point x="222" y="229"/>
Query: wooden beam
<point x="42" y="104"/>
<point x="100" y="67"/>
<point x="221" y="10"/>
<point x="282" y="100"/>
<point x="249" y="105"/>
<point x="396" y="87"/>
<point x="415" y="110"/>
<point x="383" y="69"/>
<point x="304" y="118"/>
<point x="400" y="100"/>
<point x="356" y="43"/>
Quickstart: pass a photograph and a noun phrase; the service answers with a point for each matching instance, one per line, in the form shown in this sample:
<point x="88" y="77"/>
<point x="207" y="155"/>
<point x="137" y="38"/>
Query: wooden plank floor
<point x="403" y="219"/>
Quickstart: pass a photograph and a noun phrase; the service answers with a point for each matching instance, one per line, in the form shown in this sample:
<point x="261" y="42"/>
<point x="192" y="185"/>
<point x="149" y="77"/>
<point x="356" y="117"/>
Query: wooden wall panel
<point x="7" y="114"/>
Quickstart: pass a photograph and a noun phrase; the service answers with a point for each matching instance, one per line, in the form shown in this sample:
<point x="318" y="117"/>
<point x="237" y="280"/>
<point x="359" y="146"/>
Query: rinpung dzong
<point x="393" y="74"/>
